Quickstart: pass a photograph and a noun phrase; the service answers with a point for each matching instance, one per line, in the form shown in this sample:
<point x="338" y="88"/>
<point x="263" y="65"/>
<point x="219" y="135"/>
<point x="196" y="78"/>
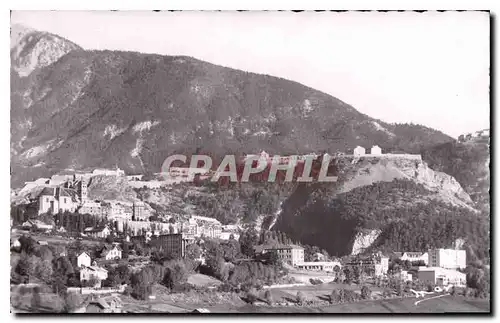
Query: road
<point x="427" y="299"/>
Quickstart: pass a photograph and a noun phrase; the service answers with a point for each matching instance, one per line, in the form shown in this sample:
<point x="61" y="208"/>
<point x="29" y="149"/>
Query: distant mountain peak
<point x="31" y="49"/>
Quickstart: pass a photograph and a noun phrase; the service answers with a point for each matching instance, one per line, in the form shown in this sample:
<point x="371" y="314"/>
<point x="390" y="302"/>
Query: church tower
<point x="83" y="190"/>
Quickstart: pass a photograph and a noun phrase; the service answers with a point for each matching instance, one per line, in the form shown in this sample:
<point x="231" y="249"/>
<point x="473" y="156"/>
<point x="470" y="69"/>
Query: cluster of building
<point x="89" y="270"/>
<point x="361" y="151"/>
<point x="441" y="265"/>
<point x="72" y="196"/>
<point x="481" y="134"/>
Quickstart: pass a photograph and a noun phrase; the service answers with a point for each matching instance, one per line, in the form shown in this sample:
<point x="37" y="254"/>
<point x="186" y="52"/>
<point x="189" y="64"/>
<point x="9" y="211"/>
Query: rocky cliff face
<point x="366" y="171"/>
<point x="348" y="216"/>
<point x="363" y="241"/>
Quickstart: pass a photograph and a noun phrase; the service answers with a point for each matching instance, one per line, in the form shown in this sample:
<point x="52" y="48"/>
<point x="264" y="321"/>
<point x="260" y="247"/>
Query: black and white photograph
<point x="250" y="162"/>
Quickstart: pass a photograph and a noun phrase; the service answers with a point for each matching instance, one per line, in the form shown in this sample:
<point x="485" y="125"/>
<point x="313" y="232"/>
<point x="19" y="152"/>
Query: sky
<point x="428" y="68"/>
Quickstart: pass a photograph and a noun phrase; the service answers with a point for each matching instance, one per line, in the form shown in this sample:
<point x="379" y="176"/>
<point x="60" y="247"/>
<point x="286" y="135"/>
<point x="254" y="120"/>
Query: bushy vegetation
<point x="342" y="295"/>
<point x="246" y="201"/>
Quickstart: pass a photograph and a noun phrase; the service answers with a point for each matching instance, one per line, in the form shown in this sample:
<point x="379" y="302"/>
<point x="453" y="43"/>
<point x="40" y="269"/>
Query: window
<point x="64" y="200"/>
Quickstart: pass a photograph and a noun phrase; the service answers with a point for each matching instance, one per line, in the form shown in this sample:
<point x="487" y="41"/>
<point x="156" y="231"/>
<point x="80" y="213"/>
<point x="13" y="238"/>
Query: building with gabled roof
<point x="376" y="150"/>
<point x="55" y="199"/>
<point x="111" y="252"/>
<point x="83" y="259"/>
<point x="359" y="151"/>
<point x="98" y="232"/>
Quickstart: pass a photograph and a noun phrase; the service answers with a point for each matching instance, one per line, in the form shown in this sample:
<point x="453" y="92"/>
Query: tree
<point x="251" y="296"/>
<point x="193" y="251"/>
<point x="300" y="298"/>
<point x="176" y="275"/>
<point x="334" y="297"/>
<point x="142" y="284"/>
<point x="248" y="240"/>
<point x="110" y="239"/>
<point x="45" y="253"/>
<point x="269" y="297"/>
<point x="365" y="292"/>
<point x="26" y="266"/>
<point x="125" y="250"/>
<point x="71" y="302"/>
<point x="27" y="244"/>
<point x="348" y="275"/>
<point x="231" y="249"/>
<point x="44" y="271"/>
<point x="36" y="300"/>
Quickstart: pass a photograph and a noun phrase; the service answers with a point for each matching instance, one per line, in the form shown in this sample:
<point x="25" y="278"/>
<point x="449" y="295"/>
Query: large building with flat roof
<point x="447" y="258"/>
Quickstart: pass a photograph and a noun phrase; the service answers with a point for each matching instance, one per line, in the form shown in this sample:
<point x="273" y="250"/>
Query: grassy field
<point x="446" y="304"/>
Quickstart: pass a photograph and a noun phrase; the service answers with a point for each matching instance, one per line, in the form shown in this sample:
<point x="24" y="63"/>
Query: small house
<point x="83" y="260"/>
<point x="376" y="150"/>
<point x="359" y="151"/>
<point x="100" y="232"/>
<point x="111" y="252"/>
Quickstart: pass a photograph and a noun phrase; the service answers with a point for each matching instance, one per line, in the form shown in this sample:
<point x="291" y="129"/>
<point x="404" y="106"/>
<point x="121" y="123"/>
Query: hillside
<point x="372" y="198"/>
<point x="468" y="163"/>
<point x="106" y="108"/>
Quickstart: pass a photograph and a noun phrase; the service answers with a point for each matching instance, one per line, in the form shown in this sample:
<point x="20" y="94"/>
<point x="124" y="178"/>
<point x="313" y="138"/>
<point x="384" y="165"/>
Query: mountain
<point x="31" y="49"/>
<point x="78" y="109"/>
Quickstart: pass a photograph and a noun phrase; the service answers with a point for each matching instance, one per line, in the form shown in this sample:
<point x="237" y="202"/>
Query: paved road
<point x="427" y="299"/>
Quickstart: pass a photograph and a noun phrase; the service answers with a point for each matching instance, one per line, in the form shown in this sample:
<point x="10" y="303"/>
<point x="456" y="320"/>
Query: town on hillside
<point x="98" y="254"/>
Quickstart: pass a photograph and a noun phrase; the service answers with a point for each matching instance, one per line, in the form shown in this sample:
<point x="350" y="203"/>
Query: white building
<point x="108" y="172"/>
<point x="116" y="211"/>
<point x="208" y="227"/>
<point x="415" y="256"/>
<point x="101" y="232"/>
<point x="447" y="258"/>
<point x="83" y="260"/>
<point x="111" y="252"/>
<point x="359" y="151"/>
<point x="376" y="150"/>
<point x="441" y="276"/>
<point x="382" y="266"/>
<point x="57" y="199"/>
<point x="327" y="266"/>
<point x="290" y="254"/>
<point x="93" y="272"/>
<point x="38" y="225"/>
